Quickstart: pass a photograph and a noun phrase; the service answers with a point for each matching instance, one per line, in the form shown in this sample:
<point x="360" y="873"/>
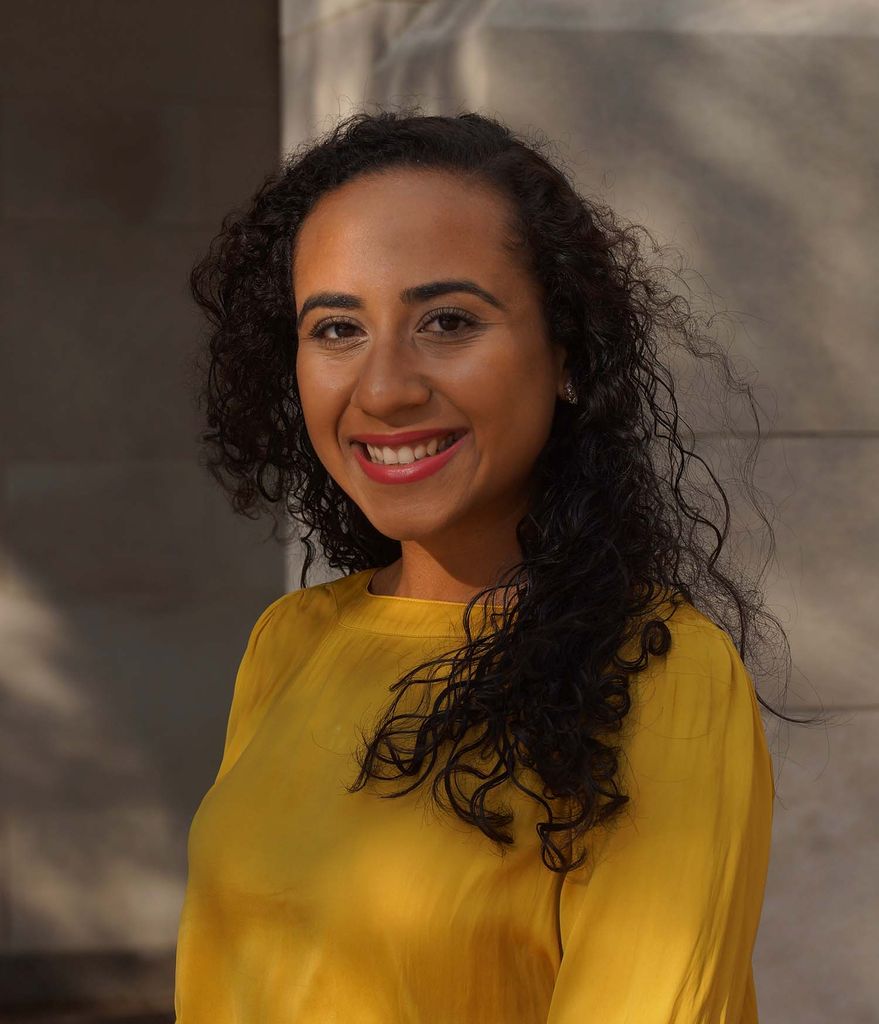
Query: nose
<point x="389" y="378"/>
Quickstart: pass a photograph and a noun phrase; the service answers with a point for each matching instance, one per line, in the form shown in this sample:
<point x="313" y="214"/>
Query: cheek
<point x="511" y="434"/>
<point x="516" y="450"/>
<point x="317" y="396"/>
<point x="512" y="437"/>
<point x="320" y="412"/>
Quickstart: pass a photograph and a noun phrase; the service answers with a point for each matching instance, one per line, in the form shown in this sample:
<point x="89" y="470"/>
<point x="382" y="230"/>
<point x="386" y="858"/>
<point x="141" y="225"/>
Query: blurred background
<point x="743" y="133"/>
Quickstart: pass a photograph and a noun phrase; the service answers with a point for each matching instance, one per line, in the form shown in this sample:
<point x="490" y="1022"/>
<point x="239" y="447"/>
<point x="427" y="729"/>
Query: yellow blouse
<point x="308" y="904"/>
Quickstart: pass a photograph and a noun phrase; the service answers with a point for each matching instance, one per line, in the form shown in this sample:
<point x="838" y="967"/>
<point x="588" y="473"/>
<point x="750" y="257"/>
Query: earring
<point x="570" y="392"/>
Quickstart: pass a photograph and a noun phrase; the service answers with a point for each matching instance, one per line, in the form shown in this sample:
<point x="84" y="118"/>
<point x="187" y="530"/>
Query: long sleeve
<point x="659" y="927"/>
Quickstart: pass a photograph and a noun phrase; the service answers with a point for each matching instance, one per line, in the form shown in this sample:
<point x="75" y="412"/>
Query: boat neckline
<point x="389" y="614"/>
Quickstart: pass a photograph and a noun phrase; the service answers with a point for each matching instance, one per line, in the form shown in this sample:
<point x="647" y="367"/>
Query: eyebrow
<point x="417" y="293"/>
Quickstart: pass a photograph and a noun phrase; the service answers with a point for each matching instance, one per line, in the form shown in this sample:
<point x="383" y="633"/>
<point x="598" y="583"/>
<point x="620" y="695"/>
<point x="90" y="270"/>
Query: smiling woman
<point x="444" y="363"/>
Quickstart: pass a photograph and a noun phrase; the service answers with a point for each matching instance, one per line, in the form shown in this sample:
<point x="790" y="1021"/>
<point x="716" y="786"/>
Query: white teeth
<point x="406" y="454"/>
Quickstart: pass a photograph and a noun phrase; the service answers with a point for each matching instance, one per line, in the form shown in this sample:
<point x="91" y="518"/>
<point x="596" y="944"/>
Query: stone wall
<point x="127" y="586"/>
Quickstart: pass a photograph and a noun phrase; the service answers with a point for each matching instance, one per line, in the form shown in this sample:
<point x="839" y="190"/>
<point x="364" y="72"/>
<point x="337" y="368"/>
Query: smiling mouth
<point x="402" y="455"/>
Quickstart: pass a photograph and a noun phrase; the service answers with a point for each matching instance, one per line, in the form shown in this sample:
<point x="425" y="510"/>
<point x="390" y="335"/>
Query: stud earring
<point x="570" y="392"/>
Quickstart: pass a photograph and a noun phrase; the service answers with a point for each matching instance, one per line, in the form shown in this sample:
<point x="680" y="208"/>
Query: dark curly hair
<point x="617" y="528"/>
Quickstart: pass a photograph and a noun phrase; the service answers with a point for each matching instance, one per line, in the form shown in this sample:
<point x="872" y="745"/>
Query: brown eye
<point x="456" y="316"/>
<point x="444" y="321"/>
<point x="318" y="331"/>
<point x="341" y="325"/>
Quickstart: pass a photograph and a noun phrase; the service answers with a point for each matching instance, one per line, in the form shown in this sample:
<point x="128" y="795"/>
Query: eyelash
<point x="449" y="311"/>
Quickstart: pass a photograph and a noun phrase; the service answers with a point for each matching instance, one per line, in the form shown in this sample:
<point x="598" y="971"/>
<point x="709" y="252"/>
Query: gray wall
<point x="744" y="134"/>
<point x="127" y="586"/>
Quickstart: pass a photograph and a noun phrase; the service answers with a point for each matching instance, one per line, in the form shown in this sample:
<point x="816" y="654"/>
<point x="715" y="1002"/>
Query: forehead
<point x="401" y="222"/>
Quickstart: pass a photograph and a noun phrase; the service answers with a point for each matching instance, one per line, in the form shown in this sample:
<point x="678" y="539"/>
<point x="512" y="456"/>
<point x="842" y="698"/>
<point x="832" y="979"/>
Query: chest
<point x="280" y="834"/>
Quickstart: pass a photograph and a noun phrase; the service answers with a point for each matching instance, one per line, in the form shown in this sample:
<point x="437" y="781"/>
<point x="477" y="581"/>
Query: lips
<point x="408" y="472"/>
<point x="409" y="437"/>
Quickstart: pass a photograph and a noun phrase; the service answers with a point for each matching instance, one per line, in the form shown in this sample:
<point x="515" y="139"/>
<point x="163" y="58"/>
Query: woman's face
<point x="384" y="349"/>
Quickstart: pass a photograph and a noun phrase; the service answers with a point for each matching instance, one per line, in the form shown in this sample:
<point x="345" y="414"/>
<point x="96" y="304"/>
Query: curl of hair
<point x="619" y="525"/>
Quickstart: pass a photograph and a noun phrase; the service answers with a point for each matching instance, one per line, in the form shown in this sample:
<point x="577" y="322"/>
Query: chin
<point x="407" y="528"/>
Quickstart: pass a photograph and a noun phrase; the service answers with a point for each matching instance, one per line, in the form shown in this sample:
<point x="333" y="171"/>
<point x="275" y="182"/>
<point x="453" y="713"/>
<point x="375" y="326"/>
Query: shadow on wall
<point x="114" y="723"/>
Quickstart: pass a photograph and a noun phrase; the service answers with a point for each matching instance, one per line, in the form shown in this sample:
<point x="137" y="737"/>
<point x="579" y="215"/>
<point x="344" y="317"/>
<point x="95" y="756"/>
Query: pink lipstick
<point x="409" y="472"/>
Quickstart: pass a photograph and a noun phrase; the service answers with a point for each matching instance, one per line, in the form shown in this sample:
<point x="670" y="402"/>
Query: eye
<point x="441" y="316"/>
<point x="450" y="313"/>
<point x="318" y="331"/>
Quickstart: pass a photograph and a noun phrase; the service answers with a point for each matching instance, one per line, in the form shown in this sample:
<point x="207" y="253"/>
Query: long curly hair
<point x="619" y="529"/>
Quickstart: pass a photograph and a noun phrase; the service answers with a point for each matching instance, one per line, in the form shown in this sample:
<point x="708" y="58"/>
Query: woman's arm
<point x="660" y="927"/>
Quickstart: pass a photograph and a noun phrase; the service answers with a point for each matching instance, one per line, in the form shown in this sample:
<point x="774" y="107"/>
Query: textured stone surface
<point x="115" y="715"/>
<point x="131" y="528"/>
<point x="102" y="329"/>
<point x="89" y="988"/>
<point x="815" y="956"/>
<point x="325" y="67"/>
<point x="221" y="52"/>
<point x="113" y="161"/>
<point x="819" y="493"/>
<point x="127" y="585"/>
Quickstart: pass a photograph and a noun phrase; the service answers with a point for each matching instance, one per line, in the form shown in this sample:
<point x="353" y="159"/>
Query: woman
<point x="442" y="361"/>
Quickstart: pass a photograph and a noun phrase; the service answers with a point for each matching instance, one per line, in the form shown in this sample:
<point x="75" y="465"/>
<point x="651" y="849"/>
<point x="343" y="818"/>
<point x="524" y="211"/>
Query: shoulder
<point x="698" y="644"/>
<point x="282" y="640"/>
<point x="299" y="611"/>
<point x="699" y="685"/>
<point x="695" y="725"/>
<point x="285" y="636"/>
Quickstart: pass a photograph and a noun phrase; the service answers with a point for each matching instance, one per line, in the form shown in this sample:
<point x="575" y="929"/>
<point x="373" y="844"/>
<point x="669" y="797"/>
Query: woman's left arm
<point x="660" y="927"/>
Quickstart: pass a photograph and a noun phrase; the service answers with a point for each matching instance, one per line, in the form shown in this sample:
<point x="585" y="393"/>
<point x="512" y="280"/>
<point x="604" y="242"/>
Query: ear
<point x="560" y="353"/>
